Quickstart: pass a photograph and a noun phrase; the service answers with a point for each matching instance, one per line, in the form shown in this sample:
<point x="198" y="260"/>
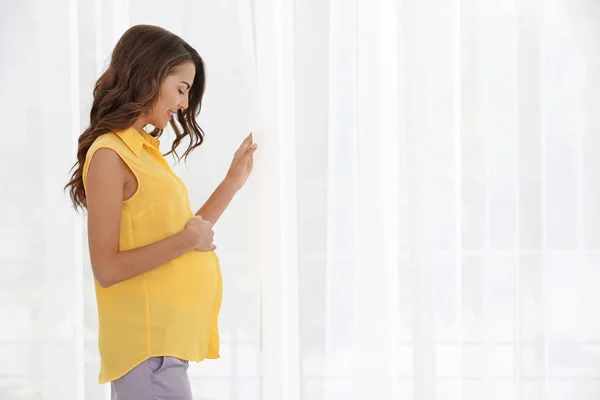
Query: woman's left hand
<point x="242" y="163"/>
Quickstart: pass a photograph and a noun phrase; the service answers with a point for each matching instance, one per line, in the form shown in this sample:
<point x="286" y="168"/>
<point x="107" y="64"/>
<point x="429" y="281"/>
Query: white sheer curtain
<point x="424" y="217"/>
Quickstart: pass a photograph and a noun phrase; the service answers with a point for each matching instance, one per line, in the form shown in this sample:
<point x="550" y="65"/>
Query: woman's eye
<point x="181" y="92"/>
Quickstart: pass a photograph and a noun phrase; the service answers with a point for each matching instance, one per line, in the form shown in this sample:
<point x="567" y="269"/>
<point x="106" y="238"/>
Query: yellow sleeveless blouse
<point x="173" y="309"/>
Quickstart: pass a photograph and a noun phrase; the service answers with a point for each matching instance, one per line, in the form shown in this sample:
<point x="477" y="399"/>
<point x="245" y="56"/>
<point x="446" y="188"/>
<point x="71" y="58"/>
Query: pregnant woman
<point x="157" y="279"/>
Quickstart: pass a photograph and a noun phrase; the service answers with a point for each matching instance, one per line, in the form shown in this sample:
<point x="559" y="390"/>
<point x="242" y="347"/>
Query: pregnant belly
<point x="189" y="281"/>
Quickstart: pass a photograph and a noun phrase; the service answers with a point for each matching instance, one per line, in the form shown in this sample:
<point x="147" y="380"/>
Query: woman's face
<point x="173" y="95"/>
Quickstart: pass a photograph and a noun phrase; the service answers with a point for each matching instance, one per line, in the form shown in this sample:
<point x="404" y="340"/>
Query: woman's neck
<point x="139" y="124"/>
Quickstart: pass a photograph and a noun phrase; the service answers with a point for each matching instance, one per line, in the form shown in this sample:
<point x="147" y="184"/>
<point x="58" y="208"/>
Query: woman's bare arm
<point x="218" y="202"/>
<point x="104" y="190"/>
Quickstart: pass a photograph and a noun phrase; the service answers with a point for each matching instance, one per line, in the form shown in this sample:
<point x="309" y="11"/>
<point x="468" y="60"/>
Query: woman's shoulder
<point x="107" y="139"/>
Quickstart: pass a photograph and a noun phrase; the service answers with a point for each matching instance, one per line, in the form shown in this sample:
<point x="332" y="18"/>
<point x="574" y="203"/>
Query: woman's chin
<point x="161" y="125"/>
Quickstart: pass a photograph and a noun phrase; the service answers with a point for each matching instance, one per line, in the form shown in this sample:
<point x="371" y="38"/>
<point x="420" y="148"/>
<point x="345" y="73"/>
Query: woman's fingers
<point x="246" y="144"/>
<point x="250" y="150"/>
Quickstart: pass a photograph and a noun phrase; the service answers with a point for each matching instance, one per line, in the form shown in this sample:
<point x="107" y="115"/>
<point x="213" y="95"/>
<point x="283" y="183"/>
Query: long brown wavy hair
<point x="144" y="56"/>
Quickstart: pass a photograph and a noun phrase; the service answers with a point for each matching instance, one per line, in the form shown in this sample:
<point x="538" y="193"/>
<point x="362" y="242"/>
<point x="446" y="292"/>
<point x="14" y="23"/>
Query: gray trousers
<point x="157" y="378"/>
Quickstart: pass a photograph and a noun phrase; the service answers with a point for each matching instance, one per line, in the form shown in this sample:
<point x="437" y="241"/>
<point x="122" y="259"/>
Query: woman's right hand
<point x="200" y="234"/>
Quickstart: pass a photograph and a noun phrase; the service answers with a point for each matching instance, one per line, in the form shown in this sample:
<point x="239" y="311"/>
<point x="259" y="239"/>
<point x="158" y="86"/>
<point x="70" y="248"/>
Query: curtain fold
<point x="276" y="221"/>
